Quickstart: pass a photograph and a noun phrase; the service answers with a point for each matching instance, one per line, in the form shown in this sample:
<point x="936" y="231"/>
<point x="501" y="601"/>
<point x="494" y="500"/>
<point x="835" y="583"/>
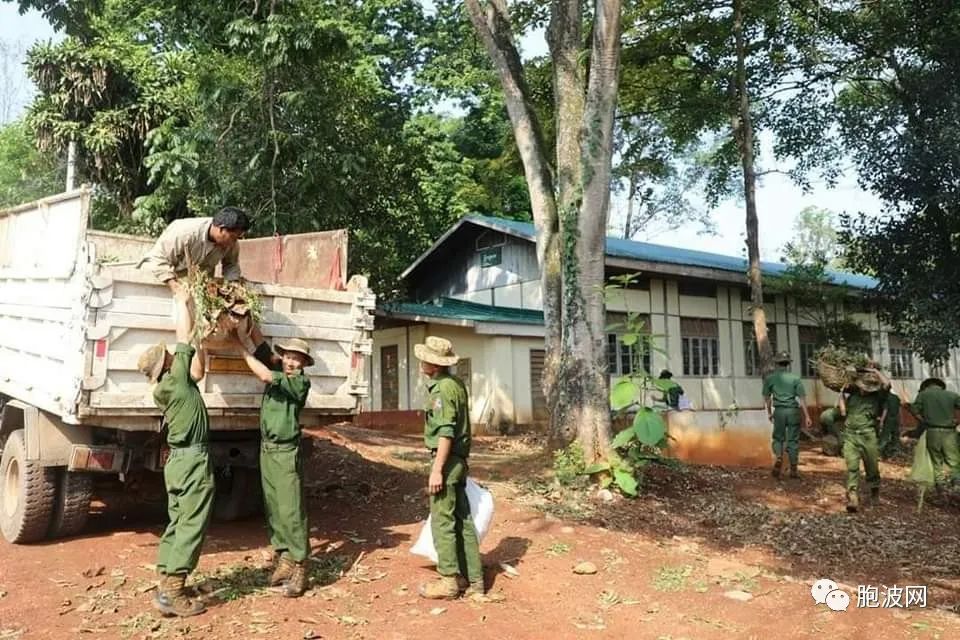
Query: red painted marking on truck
<point x="101" y="348"/>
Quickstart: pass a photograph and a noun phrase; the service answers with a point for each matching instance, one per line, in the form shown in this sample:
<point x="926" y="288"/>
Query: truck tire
<point x="27" y="490"/>
<point x="239" y="495"/>
<point x="71" y="507"/>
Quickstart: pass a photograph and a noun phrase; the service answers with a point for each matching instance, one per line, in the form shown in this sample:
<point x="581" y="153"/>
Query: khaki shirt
<point x="185" y="242"/>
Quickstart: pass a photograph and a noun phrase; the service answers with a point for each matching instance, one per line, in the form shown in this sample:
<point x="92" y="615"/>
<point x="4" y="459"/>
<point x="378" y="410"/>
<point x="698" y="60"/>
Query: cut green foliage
<point x="213" y="297"/>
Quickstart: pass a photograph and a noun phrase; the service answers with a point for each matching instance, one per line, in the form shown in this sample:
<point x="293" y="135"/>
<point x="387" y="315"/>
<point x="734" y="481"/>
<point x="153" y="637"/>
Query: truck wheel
<point x="27" y="490"/>
<point x="71" y="507"/>
<point x="239" y="494"/>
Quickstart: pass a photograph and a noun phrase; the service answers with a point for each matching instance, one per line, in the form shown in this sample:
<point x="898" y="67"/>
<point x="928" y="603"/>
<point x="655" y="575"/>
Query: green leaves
<point x="623" y="394"/>
<point x="649" y="428"/>
<point x="626" y="481"/>
<point x="624" y="438"/>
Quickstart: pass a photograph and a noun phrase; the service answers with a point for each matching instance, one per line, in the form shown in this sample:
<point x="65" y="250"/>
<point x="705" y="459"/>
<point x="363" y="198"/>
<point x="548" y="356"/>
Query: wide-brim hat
<point x="783" y="356"/>
<point x="296" y="345"/>
<point x="438" y="351"/>
<point x="151" y="361"/>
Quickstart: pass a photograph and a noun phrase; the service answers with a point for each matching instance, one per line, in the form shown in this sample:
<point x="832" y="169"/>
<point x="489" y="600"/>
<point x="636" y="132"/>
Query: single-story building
<point x="479" y="286"/>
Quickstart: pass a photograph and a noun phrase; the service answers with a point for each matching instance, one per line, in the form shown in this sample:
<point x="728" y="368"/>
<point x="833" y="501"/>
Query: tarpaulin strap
<point x="277" y="258"/>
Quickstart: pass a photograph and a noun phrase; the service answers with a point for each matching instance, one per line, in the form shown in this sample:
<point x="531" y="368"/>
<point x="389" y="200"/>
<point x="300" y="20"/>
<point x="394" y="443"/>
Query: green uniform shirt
<point x="936" y="406"/>
<point x="893" y="410"/>
<point x="282" y="401"/>
<point x="448" y="414"/>
<point x="785" y="387"/>
<point x="671" y="392"/>
<point x="864" y="409"/>
<point x="179" y="398"/>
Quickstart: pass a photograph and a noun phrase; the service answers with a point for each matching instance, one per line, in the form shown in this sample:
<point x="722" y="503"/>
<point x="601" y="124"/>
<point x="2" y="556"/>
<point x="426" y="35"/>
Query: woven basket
<point x="833" y="378"/>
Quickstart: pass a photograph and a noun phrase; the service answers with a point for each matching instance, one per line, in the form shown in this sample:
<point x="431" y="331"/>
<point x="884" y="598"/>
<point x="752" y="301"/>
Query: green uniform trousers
<point x="943" y="448"/>
<point x="454" y="536"/>
<point x="281" y="474"/>
<point x="786" y="432"/>
<point x="861" y="444"/>
<point x="188" y="476"/>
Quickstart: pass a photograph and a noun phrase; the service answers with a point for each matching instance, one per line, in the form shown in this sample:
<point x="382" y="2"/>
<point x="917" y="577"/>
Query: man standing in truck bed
<point x="200" y="242"/>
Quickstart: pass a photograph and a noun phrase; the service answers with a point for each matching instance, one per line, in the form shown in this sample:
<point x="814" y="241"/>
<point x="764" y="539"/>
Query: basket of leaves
<point x="838" y="367"/>
<point x="215" y="298"/>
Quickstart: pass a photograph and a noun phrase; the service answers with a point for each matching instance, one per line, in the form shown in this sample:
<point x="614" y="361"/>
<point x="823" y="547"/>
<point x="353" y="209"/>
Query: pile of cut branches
<point x="839" y="367"/>
<point x="213" y="298"/>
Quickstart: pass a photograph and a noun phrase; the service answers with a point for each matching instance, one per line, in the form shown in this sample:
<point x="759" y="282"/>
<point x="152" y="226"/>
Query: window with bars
<point x="623" y="359"/>
<point x="901" y="358"/>
<point x="700" y="339"/>
<point x="810" y="341"/>
<point x="751" y="354"/>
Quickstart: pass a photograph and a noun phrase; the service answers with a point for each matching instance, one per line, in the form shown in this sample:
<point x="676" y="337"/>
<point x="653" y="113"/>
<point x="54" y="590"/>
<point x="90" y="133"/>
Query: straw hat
<point x="150" y="363"/>
<point x="438" y="351"/>
<point x="295" y="345"/>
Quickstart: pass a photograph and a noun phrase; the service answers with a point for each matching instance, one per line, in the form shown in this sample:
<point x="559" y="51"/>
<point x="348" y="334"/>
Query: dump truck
<point x="76" y="313"/>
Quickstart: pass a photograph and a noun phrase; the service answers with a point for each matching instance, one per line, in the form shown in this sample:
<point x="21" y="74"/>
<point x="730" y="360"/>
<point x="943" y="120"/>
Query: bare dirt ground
<point x="705" y="553"/>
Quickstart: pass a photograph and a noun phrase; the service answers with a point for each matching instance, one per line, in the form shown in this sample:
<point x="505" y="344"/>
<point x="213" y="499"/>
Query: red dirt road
<point x="660" y="573"/>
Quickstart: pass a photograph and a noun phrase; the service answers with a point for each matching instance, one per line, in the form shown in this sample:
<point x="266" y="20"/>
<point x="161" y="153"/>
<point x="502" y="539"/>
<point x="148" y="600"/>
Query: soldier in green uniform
<point x="281" y="469"/>
<point x="188" y="473"/>
<point x="671" y="390"/>
<point x="830" y="420"/>
<point x="783" y="395"/>
<point x="935" y="406"/>
<point x="889" y="442"/>
<point x="447" y="435"/>
<point x="863" y="405"/>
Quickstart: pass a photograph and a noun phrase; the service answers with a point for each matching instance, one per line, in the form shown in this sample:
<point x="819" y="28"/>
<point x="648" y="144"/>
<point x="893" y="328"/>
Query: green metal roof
<point x="453" y="309"/>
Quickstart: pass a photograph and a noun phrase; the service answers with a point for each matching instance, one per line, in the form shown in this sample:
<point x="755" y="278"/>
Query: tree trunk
<point x="570" y="212"/>
<point x="631" y="197"/>
<point x="491" y="21"/>
<point x="743" y="132"/>
<point x="587" y="380"/>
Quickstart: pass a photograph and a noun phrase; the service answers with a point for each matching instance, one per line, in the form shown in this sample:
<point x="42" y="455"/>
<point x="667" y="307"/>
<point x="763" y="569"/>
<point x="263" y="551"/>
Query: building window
<point x="751" y="354"/>
<point x="747" y="296"/>
<point x="941" y="370"/>
<point x="624" y="360"/>
<point x="697" y="289"/>
<point x="901" y="358"/>
<point x="809" y="344"/>
<point x="700" y="339"/>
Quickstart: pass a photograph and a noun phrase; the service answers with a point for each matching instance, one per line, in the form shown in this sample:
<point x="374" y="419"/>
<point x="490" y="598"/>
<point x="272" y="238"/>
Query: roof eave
<point x="479" y="221"/>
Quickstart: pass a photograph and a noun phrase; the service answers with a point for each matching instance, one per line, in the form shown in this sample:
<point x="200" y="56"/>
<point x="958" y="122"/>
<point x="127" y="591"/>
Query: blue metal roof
<point x="645" y="251"/>
<point x="451" y="308"/>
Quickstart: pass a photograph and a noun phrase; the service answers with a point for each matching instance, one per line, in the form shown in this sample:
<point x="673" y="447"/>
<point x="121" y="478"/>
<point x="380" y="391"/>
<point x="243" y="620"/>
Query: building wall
<point x="499" y="381"/>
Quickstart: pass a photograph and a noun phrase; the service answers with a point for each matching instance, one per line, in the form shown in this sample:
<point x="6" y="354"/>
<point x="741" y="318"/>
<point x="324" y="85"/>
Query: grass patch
<point x="327" y="569"/>
<point x="558" y="549"/>
<point x="672" y="578"/>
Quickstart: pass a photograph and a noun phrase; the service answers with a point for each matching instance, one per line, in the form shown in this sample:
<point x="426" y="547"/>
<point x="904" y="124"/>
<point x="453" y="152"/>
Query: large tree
<point x="569" y="186"/>
<point x="899" y="108"/>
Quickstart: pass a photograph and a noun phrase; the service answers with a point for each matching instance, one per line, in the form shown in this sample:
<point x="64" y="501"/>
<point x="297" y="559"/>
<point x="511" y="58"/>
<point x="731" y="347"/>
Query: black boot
<point x="776" y="468"/>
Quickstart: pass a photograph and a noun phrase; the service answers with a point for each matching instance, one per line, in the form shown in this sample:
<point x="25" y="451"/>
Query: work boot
<point x="468" y="588"/>
<point x="853" y="501"/>
<point x="875" y="496"/>
<point x="297" y="584"/>
<point x="443" y="588"/>
<point x="172" y="600"/>
<point x="282" y="572"/>
<point x="776" y="468"/>
<point x="793" y="471"/>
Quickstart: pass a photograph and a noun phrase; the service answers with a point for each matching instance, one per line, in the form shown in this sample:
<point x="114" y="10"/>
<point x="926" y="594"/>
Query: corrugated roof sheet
<point x="645" y="251"/>
<point x="453" y="309"/>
